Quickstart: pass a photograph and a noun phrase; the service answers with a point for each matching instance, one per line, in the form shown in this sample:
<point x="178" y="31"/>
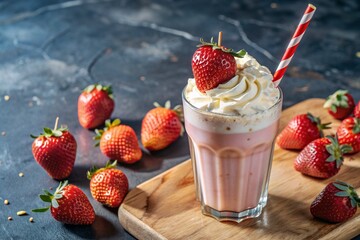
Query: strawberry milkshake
<point x="231" y="127"/>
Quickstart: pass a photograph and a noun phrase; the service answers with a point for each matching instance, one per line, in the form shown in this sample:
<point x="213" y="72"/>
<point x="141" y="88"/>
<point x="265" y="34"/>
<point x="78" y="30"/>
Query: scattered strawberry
<point x="213" y="64"/>
<point x="336" y="203"/>
<point x="357" y="110"/>
<point x="340" y="104"/>
<point x="108" y="185"/>
<point x="69" y="205"/>
<point x="95" y="105"/>
<point x="322" y="158"/>
<point x="55" y="151"/>
<point x="300" y="131"/>
<point x="349" y="133"/>
<point x="118" y="142"/>
<point x="161" y="126"/>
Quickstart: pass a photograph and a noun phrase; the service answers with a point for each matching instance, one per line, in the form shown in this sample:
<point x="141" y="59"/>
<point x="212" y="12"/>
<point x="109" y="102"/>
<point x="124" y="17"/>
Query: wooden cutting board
<point x="164" y="207"/>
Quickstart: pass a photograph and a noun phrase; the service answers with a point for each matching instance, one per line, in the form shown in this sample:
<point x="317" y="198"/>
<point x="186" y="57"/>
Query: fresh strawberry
<point x="212" y="64"/>
<point x="108" y="185"/>
<point x="349" y="133"/>
<point x="95" y="105"/>
<point x="69" y="205"/>
<point x="337" y="202"/>
<point x="55" y="151"/>
<point x="340" y="104"/>
<point x="322" y="158"/>
<point x="300" y="131"/>
<point x="161" y="126"/>
<point x="357" y="110"/>
<point x="118" y="142"/>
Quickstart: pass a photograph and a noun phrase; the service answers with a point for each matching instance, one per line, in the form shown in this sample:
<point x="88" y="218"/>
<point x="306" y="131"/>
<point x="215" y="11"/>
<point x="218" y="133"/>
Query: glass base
<point x="234" y="216"/>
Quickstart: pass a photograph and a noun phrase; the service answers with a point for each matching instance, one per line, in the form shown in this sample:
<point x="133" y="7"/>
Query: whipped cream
<point x="250" y="91"/>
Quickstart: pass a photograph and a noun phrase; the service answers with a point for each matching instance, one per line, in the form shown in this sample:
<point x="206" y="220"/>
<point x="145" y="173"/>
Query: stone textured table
<point x="50" y="50"/>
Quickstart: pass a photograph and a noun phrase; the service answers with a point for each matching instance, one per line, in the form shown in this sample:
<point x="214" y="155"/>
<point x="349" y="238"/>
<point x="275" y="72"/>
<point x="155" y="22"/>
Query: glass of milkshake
<point x="231" y="130"/>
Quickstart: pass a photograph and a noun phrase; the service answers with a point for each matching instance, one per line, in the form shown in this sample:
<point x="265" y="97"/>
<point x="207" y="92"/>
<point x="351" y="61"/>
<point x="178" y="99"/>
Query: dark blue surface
<point x="51" y="50"/>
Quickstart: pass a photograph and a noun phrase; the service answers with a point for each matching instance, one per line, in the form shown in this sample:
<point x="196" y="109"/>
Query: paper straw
<point x="294" y="43"/>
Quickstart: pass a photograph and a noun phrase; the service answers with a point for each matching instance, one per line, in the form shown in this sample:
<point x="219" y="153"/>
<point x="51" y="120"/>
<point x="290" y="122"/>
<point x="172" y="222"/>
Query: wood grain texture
<point x="165" y="207"/>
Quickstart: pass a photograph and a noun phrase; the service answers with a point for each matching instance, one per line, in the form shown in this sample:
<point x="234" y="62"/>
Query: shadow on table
<point x="111" y="210"/>
<point x="101" y="228"/>
<point x="78" y="176"/>
<point x="84" y="232"/>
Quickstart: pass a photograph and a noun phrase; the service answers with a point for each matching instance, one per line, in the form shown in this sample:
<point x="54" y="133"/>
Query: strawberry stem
<point x="356" y="128"/>
<point x="336" y="150"/>
<point x="178" y="109"/>
<point x="56" y="123"/>
<point x="95" y="169"/>
<point x="217" y="46"/>
<point x="337" y="99"/>
<point x="52" y="198"/>
<point x="317" y="121"/>
<point x="219" y="39"/>
<point x="180" y="112"/>
<point x="99" y="87"/>
<point x="100" y="132"/>
<point x="347" y="190"/>
<point x="48" y="132"/>
<point x="167" y="105"/>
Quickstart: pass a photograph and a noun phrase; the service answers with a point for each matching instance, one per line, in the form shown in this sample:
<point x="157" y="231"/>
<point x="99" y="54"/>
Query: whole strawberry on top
<point x="161" y="126"/>
<point x="213" y="64"/>
<point x="68" y="205"/>
<point x="118" y="141"/>
<point x="357" y="110"/>
<point x="300" y="131"/>
<point x="55" y="151"/>
<point x="349" y="133"/>
<point x="340" y="104"/>
<point x="337" y="202"/>
<point x="95" y="105"/>
<point x="108" y="185"/>
<point x="322" y="158"/>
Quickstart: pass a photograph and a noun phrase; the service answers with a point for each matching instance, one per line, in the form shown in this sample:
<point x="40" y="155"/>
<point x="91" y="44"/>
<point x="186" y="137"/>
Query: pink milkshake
<point x="231" y="132"/>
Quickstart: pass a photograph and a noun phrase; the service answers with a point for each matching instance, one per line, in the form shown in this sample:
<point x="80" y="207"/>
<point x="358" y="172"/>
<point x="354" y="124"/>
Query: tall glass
<point x="232" y="158"/>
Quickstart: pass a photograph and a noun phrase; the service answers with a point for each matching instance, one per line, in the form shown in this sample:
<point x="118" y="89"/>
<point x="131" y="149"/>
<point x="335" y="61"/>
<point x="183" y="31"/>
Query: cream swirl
<point x="251" y="90"/>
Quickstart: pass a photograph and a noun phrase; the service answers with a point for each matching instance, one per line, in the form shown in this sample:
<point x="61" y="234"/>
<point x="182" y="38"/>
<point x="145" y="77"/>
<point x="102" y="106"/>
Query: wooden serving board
<point x="165" y="207"/>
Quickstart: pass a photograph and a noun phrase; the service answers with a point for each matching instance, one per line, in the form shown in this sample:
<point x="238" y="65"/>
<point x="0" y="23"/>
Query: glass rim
<point x="232" y="116"/>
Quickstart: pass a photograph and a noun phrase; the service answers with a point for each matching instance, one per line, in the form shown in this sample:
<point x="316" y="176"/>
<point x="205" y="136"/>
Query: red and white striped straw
<point x="294" y="43"/>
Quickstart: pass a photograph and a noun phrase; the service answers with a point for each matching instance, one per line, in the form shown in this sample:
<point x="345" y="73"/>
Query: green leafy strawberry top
<point x="178" y="109"/>
<point x="94" y="169"/>
<point x="99" y="87"/>
<point x="100" y="132"/>
<point x="214" y="45"/>
<point x="337" y="99"/>
<point x="347" y="190"/>
<point x="336" y="150"/>
<point x="48" y="132"/>
<point x="356" y="128"/>
<point x="317" y="121"/>
<point x="52" y="198"/>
